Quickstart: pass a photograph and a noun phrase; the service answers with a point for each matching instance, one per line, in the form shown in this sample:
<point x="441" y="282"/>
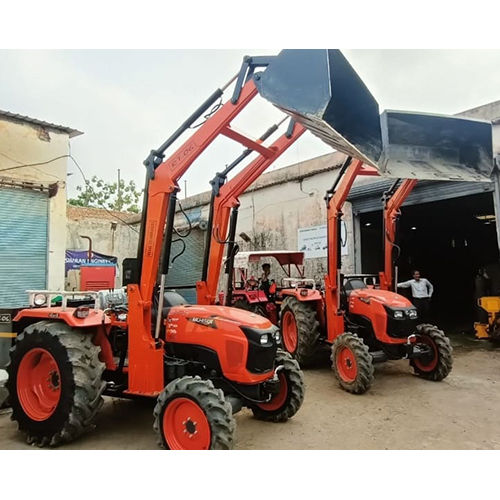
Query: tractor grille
<point x="401" y="328"/>
<point x="260" y="356"/>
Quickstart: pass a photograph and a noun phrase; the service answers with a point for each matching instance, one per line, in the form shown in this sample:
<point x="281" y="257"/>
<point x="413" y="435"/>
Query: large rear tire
<point x="352" y="363"/>
<point x="55" y="383"/>
<point x="300" y="329"/>
<point x="191" y="414"/>
<point x="437" y="367"/>
<point x="287" y="402"/>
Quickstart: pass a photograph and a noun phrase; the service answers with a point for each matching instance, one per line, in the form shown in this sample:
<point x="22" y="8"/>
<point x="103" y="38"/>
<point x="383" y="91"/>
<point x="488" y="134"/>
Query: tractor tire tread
<point x="217" y="410"/>
<point x="445" y="350"/>
<point x="87" y="370"/>
<point x="364" y="362"/>
<point x="308" y="329"/>
<point x="296" y="393"/>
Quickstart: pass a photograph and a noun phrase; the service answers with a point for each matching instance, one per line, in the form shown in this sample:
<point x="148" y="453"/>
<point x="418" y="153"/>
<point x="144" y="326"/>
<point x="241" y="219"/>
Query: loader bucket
<point x="435" y="147"/>
<point x="321" y="90"/>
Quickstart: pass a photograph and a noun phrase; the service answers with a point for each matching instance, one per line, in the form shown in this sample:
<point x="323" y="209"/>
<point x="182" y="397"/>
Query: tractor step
<point x="379" y="356"/>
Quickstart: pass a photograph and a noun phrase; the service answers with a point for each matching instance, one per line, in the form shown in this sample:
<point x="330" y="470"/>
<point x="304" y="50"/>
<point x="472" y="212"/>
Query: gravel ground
<point x="400" y="411"/>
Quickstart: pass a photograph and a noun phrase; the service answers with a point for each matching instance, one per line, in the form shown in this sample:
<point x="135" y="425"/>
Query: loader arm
<point x="227" y="199"/>
<point x="393" y="200"/>
<point x="335" y="199"/>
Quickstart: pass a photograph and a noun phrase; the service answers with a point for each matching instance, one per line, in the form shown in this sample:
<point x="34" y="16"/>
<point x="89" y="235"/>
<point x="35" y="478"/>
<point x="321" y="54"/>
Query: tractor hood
<point x="322" y="91"/>
<point x="385" y="297"/>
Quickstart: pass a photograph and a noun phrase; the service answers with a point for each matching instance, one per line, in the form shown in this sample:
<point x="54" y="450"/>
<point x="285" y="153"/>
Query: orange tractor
<point x="201" y="363"/>
<point x="263" y="297"/>
<point x="364" y="323"/>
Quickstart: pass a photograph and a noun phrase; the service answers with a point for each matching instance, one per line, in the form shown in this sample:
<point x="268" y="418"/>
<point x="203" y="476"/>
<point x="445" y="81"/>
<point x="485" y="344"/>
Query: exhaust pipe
<point x="321" y="91"/>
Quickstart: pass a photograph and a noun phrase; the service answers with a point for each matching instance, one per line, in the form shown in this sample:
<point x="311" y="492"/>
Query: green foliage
<point x="101" y="194"/>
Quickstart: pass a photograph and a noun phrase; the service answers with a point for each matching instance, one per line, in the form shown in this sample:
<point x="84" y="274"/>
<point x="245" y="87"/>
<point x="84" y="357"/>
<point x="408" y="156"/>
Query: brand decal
<point x="210" y="322"/>
<point x="182" y="155"/>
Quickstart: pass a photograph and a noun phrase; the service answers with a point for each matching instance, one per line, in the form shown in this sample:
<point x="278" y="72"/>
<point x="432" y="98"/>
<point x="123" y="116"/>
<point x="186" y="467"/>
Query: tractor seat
<point x="353" y="284"/>
<point x="171" y="299"/>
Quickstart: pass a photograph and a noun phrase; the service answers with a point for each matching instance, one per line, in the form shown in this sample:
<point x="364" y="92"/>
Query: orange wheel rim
<point x="346" y="364"/>
<point x="290" y="333"/>
<point x="278" y="400"/>
<point x="430" y="365"/>
<point x="185" y="426"/>
<point x="38" y="384"/>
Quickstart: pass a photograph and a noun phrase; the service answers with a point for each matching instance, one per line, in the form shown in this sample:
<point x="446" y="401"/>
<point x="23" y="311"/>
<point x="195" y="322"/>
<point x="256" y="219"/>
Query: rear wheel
<point x="191" y="414"/>
<point x="438" y="364"/>
<point x="55" y="383"/>
<point x="299" y="329"/>
<point x="286" y="403"/>
<point x="352" y="363"/>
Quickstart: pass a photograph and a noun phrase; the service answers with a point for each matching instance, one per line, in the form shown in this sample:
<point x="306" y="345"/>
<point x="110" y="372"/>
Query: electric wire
<point x="72" y="158"/>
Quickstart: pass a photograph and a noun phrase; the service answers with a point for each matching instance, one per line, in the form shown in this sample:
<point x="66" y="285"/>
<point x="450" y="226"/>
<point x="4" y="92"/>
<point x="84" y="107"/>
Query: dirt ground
<point x="400" y="411"/>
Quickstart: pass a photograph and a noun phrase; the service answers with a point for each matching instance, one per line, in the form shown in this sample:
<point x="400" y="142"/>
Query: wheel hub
<point x="190" y="427"/>
<point x="185" y="425"/>
<point x="346" y="364"/>
<point x="53" y="380"/>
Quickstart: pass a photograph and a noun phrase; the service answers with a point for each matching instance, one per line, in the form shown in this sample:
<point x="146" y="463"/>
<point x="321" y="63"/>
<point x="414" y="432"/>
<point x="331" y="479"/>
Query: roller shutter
<point x="368" y="197"/>
<point x="187" y="269"/>
<point x="23" y="244"/>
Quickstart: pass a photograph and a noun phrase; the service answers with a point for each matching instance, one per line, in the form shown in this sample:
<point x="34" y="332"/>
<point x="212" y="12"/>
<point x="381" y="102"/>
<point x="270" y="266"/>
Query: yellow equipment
<point x="490" y="330"/>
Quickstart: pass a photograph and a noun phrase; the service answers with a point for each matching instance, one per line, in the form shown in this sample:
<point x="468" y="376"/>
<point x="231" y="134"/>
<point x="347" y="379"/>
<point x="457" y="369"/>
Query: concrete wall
<point x="109" y="235"/>
<point x="279" y="203"/>
<point x="24" y="143"/>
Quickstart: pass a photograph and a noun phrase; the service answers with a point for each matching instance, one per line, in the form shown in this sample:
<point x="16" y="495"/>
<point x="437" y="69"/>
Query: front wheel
<point x="352" y="363"/>
<point x="191" y="414"/>
<point x="286" y="403"/>
<point x="438" y="363"/>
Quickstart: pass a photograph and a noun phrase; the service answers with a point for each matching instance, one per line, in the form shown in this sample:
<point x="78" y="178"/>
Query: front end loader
<point x="364" y="324"/>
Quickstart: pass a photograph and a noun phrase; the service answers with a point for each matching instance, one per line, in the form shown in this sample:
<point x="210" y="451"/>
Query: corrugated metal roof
<point x="21" y="118"/>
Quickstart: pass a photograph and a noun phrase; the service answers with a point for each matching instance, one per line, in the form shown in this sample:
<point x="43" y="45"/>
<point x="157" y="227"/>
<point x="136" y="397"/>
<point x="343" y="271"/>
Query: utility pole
<point x="119" y="195"/>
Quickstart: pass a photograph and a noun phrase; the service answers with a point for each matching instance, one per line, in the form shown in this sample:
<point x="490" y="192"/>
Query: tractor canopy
<point x="321" y="90"/>
<point x="284" y="257"/>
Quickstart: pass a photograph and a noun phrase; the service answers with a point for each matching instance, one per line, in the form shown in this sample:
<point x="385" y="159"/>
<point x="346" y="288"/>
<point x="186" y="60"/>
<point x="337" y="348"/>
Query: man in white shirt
<point x="421" y="290"/>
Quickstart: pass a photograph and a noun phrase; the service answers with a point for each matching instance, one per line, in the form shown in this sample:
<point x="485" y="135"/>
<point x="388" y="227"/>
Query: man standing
<point x="421" y="290"/>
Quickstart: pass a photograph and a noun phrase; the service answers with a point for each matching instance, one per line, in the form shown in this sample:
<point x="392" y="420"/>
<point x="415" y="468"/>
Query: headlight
<point x="39" y="299"/>
<point x="398" y="314"/>
<point x="412" y="313"/>
<point x="264" y="339"/>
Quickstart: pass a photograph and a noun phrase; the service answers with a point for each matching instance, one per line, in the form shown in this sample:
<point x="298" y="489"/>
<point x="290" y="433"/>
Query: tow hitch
<point x="272" y="386"/>
<point x="418" y="350"/>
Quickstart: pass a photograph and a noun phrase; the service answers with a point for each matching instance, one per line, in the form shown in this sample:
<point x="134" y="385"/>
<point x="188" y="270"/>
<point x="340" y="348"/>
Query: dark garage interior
<point x="447" y="241"/>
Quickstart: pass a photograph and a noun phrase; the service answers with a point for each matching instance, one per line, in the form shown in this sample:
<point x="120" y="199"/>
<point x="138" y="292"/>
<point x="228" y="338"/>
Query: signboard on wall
<point x="313" y="241"/>
<point x="74" y="258"/>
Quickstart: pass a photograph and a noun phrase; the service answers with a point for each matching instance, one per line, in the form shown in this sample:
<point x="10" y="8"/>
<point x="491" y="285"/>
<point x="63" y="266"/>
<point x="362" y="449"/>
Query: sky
<point x="128" y="102"/>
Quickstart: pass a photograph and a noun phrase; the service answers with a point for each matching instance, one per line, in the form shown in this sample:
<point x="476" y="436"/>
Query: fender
<point x="251" y="296"/>
<point x="302" y="296"/>
<point x="94" y="319"/>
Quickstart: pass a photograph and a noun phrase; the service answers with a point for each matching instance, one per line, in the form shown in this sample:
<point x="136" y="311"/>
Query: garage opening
<point x="447" y="241"/>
